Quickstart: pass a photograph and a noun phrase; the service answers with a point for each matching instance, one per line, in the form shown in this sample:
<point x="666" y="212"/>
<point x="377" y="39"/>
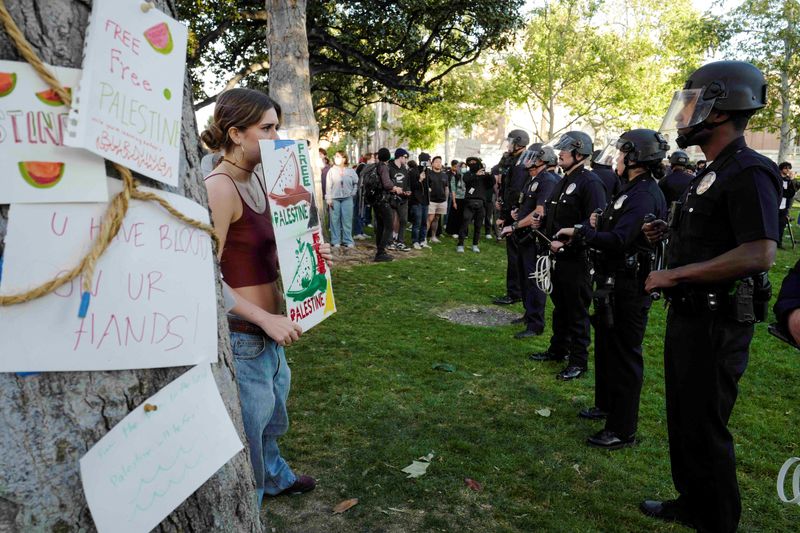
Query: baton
<point x="657" y="262"/>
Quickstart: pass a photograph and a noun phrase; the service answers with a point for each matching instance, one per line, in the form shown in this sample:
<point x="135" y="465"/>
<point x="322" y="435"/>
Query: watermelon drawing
<point x="159" y="38"/>
<point x="50" y="97"/>
<point x="41" y="174"/>
<point x="8" y="80"/>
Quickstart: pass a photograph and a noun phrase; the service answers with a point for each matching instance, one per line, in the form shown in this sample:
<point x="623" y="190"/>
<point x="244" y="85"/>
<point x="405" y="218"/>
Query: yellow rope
<point x="117" y="207"/>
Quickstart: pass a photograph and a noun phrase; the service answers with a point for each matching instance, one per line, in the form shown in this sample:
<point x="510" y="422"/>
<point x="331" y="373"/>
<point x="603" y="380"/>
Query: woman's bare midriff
<point x="265" y="296"/>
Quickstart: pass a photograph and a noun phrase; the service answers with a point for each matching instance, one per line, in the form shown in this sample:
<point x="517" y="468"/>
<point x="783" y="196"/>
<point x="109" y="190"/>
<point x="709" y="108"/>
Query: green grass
<point x="366" y="402"/>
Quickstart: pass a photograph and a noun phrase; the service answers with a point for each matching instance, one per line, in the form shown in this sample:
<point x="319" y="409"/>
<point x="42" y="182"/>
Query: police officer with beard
<point x="512" y="181"/>
<point x="622" y="261"/>
<point x="536" y="159"/>
<point x="677" y="181"/>
<point x="722" y="240"/>
<point x="572" y="202"/>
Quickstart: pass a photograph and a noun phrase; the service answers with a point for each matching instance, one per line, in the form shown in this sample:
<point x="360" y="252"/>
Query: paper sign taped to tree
<point x="149" y="463"/>
<point x="130" y="101"/>
<point x="290" y="189"/>
<point x="35" y="166"/>
<point x="153" y="293"/>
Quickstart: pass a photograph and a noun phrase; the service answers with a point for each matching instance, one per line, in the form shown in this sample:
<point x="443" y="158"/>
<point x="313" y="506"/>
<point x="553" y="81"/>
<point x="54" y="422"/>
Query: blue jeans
<point x="264" y="379"/>
<point x="419" y="222"/>
<point x="358" y="222"/>
<point x="342" y="221"/>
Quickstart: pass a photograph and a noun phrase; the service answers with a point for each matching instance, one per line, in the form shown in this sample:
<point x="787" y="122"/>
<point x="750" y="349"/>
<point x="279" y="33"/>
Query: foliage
<point x="360" y="51"/>
<point x="365" y="402"/>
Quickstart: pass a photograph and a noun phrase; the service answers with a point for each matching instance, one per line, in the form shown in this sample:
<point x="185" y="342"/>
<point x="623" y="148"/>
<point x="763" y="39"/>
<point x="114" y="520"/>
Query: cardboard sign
<point x="466" y="148"/>
<point x="35" y="166"/>
<point x="149" y="463"/>
<point x="290" y="190"/>
<point x="130" y="101"/>
<point x="153" y="298"/>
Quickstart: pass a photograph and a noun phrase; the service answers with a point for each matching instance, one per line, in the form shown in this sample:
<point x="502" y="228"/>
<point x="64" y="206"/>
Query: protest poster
<point x="153" y="293"/>
<point x="35" y="166"/>
<point x="306" y="279"/>
<point x="159" y="454"/>
<point x="466" y="148"/>
<point x="130" y="101"/>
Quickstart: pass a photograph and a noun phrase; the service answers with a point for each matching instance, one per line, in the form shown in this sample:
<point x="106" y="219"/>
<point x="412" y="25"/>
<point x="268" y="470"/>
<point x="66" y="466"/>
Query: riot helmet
<point x="518" y="138"/>
<point x="679" y="158"/>
<point x="548" y="156"/>
<point x="604" y="158"/>
<point x="575" y="141"/>
<point x="641" y="147"/>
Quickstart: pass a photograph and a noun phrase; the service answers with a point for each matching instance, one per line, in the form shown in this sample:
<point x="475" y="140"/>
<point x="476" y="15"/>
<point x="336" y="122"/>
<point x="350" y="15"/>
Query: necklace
<point x="251" y="190"/>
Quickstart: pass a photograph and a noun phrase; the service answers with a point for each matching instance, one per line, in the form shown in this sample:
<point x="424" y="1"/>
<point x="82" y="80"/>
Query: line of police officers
<point x="708" y="258"/>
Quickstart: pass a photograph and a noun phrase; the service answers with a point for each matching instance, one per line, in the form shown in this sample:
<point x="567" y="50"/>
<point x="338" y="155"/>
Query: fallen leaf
<point x="474" y="485"/>
<point x="576" y="467"/>
<point x="462" y="269"/>
<point x="428" y="457"/>
<point x="345" y="505"/>
<point x="399" y="510"/>
<point x="545" y="412"/>
<point x="444" y="367"/>
<point x="416" y="469"/>
<point x="478" y="375"/>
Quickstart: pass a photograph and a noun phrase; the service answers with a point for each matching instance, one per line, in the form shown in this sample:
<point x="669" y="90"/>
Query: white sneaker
<point x="460" y="249"/>
<point x="351" y="245"/>
<point x="475" y="248"/>
<point x="455" y="235"/>
<point x="424" y="244"/>
<point x="417" y="246"/>
<point x="360" y="237"/>
<point x="434" y="239"/>
<point x="336" y="245"/>
<point x="489" y="237"/>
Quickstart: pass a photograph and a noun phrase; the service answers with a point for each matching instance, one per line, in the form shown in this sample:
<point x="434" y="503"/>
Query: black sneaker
<point x="571" y="372"/>
<point x="608" y="440"/>
<point x="528" y="333"/>
<point x="383" y="258"/>
<point x="546" y="356"/>
<point x="593" y="413"/>
<point x="668" y="511"/>
<point x="505" y="300"/>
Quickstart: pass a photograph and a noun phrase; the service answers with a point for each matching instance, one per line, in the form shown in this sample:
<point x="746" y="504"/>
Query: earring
<point x="239" y="159"/>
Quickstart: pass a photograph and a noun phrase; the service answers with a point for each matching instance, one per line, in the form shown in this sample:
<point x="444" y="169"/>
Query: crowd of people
<point x="613" y="228"/>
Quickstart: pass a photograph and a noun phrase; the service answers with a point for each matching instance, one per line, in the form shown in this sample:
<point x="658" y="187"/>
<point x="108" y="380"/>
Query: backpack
<point x="371" y="186"/>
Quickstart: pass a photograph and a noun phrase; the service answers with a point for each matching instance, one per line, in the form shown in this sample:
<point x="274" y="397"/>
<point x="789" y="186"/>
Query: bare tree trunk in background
<point x="48" y="421"/>
<point x="290" y="78"/>
<point x="786" y="133"/>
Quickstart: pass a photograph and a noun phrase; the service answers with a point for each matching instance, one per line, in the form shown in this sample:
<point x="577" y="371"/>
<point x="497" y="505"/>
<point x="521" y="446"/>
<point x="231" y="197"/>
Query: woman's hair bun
<point x="213" y="137"/>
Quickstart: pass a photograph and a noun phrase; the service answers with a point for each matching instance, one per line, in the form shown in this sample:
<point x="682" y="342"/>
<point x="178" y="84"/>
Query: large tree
<point x="50" y="420"/>
<point x="359" y="52"/>
<point x="767" y="32"/>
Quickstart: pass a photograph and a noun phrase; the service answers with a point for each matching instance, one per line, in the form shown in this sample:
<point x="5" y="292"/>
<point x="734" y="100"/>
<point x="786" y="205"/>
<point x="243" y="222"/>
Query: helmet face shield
<point x="565" y="143"/>
<point x="528" y="158"/>
<point x="688" y="108"/>
<point x="608" y="156"/>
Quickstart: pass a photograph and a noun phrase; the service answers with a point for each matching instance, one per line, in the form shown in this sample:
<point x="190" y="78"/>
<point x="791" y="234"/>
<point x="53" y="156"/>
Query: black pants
<point x="619" y="367"/>
<point x="783" y="221"/>
<point x="402" y="217"/>
<point x="488" y="223"/>
<point x="513" y="272"/>
<point x="572" y="294"/>
<point x="704" y="357"/>
<point x="455" y="217"/>
<point x="474" y="211"/>
<point x="532" y="296"/>
<point x="383" y="225"/>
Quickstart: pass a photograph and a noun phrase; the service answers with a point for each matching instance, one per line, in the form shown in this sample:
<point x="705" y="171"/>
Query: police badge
<point x="620" y="201"/>
<point x="706" y="182"/>
<point x="571" y="188"/>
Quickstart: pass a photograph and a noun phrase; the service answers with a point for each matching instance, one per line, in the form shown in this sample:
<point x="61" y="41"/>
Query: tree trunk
<point x="290" y="77"/>
<point x="50" y="420"/>
<point x="786" y="136"/>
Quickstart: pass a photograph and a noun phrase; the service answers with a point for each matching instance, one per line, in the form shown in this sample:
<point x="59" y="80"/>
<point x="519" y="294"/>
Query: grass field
<point x="366" y="402"/>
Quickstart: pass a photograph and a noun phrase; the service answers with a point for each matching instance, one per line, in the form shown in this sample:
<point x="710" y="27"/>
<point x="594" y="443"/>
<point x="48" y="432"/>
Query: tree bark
<point x="786" y="133"/>
<point x="290" y="78"/>
<point x="50" y="420"/>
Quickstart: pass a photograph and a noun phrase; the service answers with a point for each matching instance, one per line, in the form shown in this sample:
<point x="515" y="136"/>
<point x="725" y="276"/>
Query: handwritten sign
<point x="130" y="100"/>
<point x="290" y="189"/>
<point x="139" y="472"/>
<point x="153" y="300"/>
<point x="35" y="166"/>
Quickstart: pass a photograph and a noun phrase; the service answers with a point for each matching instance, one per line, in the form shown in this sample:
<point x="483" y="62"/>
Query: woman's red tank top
<point x="250" y="256"/>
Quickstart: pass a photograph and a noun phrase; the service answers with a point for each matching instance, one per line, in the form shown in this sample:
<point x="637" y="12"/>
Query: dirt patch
<point x="364" y="253"/>
<point x="487" y="316"/>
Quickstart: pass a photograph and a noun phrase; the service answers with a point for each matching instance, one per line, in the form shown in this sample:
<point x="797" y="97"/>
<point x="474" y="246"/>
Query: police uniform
<point x="622" y="263"/>
<point x="674" y="184"/>
<point x="608" y="177"/>
<point x="573" y="200"/>
<point x="535" y="193"/>
<point x="732" y="201"/>
<point x="513" y="181"/>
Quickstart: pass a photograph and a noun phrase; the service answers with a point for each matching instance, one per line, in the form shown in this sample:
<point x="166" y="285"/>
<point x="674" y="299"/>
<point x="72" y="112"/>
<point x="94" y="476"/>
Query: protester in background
<point x="383" y="211"/>
<point x="476" y="181"/>
<point x="438" y="183"/>
<point x="342" y="186"/>
<point x="456" y="214"/>
<point x="324" y="165"/>
<point x="419" y="201"/>
<point x="249" y="263"/>
<point x="787" y="197"/>
<point x="398" y="171"/>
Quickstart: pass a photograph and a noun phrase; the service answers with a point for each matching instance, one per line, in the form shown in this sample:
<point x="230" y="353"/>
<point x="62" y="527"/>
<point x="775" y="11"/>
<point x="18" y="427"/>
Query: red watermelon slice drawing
<point x="159" y="38"/>
<point x="8" y="80"/>
<point x="41" y="174"/>
<point x="50" y="97"/>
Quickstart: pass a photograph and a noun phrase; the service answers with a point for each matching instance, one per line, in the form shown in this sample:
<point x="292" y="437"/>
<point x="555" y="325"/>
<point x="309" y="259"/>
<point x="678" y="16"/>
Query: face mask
<point x="464" y="170"/>
<point x="474" y="167"/>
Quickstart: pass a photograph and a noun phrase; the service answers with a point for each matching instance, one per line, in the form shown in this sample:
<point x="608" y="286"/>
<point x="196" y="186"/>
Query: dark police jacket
<point x="733" y="201"/>
<point x="674" y="184"/>
<point x="619" y="235"/>
<point x="609" y="178"/>
<point x="536" y="192"/>
<point x="573" y="200"/>
<point x="513" y="180"/>
<point x="788" y="298"/>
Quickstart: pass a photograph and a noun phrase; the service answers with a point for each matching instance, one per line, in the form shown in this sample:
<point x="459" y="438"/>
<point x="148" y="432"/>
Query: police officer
<point x="601" y="165"/>
<point x="513" y="178"/>
<point x="677" y="181"/>
<point x="622" y="262"/>
<point x="722" y="237"/>
<point x="573" y="200"/>
<point x="537" y="160"/>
